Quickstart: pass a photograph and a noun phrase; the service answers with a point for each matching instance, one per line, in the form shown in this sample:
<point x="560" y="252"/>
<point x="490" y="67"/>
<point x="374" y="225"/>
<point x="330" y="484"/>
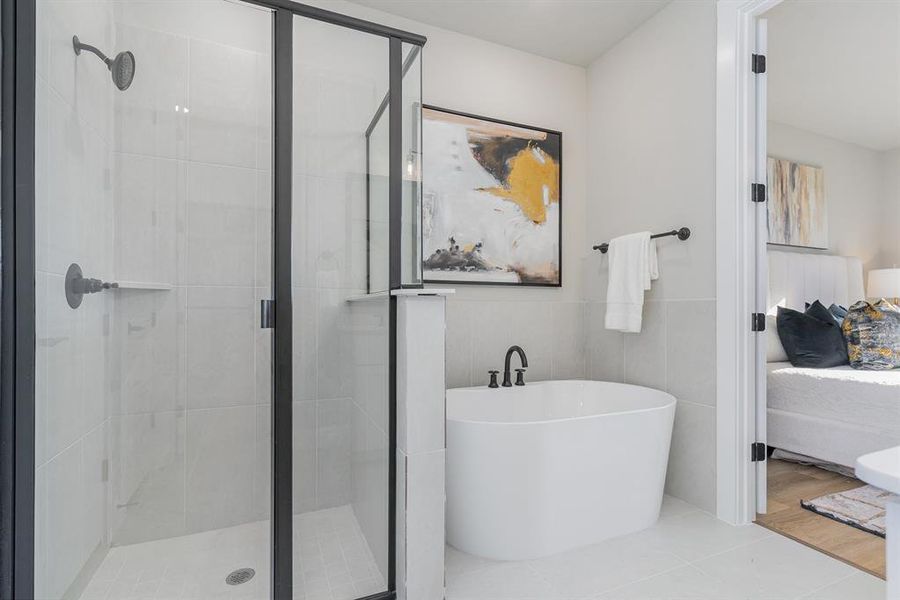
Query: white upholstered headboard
<point x="796" y="278"/>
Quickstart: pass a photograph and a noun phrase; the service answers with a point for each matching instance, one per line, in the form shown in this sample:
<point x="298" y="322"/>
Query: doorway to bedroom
<point x="828" y="369"/>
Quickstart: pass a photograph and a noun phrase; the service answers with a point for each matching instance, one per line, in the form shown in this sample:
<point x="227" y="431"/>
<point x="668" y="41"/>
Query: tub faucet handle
<point x="520" y="376"/>
<point x="493" y="382"/>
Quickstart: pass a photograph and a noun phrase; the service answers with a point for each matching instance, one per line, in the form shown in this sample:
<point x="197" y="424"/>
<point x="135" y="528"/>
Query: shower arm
<point x="79" y="46"/>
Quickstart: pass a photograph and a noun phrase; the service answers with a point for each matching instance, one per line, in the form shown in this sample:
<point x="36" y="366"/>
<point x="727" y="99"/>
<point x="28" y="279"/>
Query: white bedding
<point x="833" y="414"/>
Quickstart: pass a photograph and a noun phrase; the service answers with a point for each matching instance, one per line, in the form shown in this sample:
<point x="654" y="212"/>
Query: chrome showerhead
<point x="121" y="67"/>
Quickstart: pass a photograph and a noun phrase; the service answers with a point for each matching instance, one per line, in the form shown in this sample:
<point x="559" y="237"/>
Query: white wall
<point x="472" y="75"/>
<point x="652" y="164"/>
<point x="854" y="189"/>
<point x="890" y="210"/>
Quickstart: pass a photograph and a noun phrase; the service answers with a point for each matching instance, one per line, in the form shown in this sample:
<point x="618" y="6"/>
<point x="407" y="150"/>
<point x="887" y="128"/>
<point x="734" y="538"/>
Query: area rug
<point x="862" y="507"/>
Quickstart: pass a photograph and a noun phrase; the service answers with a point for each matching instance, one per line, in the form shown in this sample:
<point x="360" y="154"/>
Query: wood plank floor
<point x="788" y="484"/>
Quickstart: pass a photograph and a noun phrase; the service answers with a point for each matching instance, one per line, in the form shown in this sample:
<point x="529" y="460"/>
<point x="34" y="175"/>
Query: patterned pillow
<point x="872" y="333"/>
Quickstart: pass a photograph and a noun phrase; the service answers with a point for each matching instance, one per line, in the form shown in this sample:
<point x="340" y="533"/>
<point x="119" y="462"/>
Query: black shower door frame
<point x="17" y="294"/>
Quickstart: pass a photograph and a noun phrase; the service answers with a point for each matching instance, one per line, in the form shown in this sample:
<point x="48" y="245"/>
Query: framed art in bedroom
<point x="492" y="201"/>
<point x="797" y="212"/>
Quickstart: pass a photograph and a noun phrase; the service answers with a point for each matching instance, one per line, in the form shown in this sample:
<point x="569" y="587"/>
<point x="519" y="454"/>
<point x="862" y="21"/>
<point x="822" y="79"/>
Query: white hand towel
<point x="632" y="266"/>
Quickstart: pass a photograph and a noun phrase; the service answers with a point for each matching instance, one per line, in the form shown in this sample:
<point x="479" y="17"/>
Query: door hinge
<point x="758" y="63"/>
<point x="758" y="452"/>
<point x="757" y="322"/>
<point x="266" y="314"/>
<point x="758" y="192"/>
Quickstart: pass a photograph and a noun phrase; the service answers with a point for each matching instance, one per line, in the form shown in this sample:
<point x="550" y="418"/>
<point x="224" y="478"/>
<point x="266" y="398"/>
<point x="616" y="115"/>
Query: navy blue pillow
<point x="818" y="310"/>
<point x="810" y="341"/>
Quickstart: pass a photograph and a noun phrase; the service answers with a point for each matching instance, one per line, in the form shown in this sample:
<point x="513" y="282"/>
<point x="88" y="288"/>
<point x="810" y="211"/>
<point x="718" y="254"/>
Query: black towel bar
<point x="683" y="234"/>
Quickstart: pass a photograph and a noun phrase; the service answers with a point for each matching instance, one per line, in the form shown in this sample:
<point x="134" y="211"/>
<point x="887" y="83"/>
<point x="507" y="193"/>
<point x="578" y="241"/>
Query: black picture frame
<point x="455" y="282"/>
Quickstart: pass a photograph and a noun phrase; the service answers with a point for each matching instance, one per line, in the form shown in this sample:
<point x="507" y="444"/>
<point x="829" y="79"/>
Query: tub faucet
<point x="507" y="380"/>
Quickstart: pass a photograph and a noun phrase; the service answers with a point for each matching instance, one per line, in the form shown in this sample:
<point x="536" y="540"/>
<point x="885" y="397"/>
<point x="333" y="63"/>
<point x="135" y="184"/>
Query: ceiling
<point x="834" y="69"/>
<point x="571" y="31"/>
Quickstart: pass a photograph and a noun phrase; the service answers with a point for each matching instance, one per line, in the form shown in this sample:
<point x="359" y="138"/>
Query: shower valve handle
<point x="77" y="285"/>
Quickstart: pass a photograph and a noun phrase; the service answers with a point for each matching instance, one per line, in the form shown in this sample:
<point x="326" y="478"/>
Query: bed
<point x="837" y="414"/>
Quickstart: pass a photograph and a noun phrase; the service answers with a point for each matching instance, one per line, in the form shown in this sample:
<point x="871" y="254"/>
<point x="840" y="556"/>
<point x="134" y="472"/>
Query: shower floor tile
<point x="332" y="562"/>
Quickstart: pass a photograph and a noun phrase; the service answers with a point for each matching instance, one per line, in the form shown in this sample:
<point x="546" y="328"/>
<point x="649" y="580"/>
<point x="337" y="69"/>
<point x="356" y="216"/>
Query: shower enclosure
<point x="201" y="232"/>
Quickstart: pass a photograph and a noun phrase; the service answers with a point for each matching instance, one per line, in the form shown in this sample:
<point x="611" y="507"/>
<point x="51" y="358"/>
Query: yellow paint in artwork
<point x="533" y="177"/>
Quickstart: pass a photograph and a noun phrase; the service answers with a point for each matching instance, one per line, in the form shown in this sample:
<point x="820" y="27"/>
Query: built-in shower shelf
<point x="145" y="285"/>
<point x="402" y="292"/>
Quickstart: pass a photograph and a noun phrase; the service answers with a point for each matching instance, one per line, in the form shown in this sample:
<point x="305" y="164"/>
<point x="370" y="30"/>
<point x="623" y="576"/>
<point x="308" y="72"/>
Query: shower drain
<point x="239" y="576"/>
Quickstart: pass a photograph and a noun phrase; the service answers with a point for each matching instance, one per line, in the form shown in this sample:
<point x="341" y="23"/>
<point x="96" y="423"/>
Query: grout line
<point x="657" y="574"/>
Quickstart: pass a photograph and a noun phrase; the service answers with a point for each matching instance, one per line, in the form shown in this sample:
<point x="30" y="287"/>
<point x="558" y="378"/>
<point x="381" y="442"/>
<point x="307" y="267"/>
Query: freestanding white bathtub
<point x="554" y="465"/>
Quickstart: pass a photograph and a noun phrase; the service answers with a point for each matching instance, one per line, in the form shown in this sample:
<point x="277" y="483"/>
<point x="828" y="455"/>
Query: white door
<point x="762" y="277"/>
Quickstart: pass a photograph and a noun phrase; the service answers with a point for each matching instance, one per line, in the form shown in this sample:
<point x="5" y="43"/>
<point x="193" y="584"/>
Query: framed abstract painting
<point x="492" y="201"/>
<point x="797" y="212"/>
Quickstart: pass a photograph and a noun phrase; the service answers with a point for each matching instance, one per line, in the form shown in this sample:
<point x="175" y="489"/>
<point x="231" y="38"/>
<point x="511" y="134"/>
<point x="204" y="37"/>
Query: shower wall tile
<point x="59" y="364"/>
<point x="305" y="359"/>
<point x="221" y="325"/>
<point x="95" y="485"/>
<point x="333" y="344"/>
<point x="368" y="434"/>
<point x="219" y="467"/>
<point x="150" y="203"/>
<point x="334" y="252"/>
<point x="304" y="232"/>
<point x="264" y="225"/>
<point x="150" y="347"/>
<point x="74" y="386"/>
<point x="223" y="104"/>
<point x="65" y="518"/>
<point x="148" y="122"/>
<point x="82" y="81"/>
<point x="333" y="446"/>
<point x="221" y="226"/>
<point x="147" y="476"/>
<point x="370" y="359"/>
<point x="78" y="195"/>
<point x="93" y="331"/>
<point x="305" y="456"/>
<point x="262" y="464"/>
<point x="264" y="89"/>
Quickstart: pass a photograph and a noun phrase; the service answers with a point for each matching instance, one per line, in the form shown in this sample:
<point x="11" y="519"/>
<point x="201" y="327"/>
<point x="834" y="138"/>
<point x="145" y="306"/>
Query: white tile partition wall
<point x="421" y="402"/>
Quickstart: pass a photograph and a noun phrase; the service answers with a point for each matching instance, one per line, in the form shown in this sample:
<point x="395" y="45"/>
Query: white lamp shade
<point x="884" y="283"/>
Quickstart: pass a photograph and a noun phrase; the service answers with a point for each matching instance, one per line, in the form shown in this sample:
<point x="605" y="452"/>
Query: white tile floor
<point x="333" y="563"/>
<point x="688" y="555"/>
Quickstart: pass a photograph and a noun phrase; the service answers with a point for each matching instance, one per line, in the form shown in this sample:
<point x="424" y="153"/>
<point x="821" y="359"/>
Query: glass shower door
<point x="153" y="251"/>
<point x="341" y="347"/>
